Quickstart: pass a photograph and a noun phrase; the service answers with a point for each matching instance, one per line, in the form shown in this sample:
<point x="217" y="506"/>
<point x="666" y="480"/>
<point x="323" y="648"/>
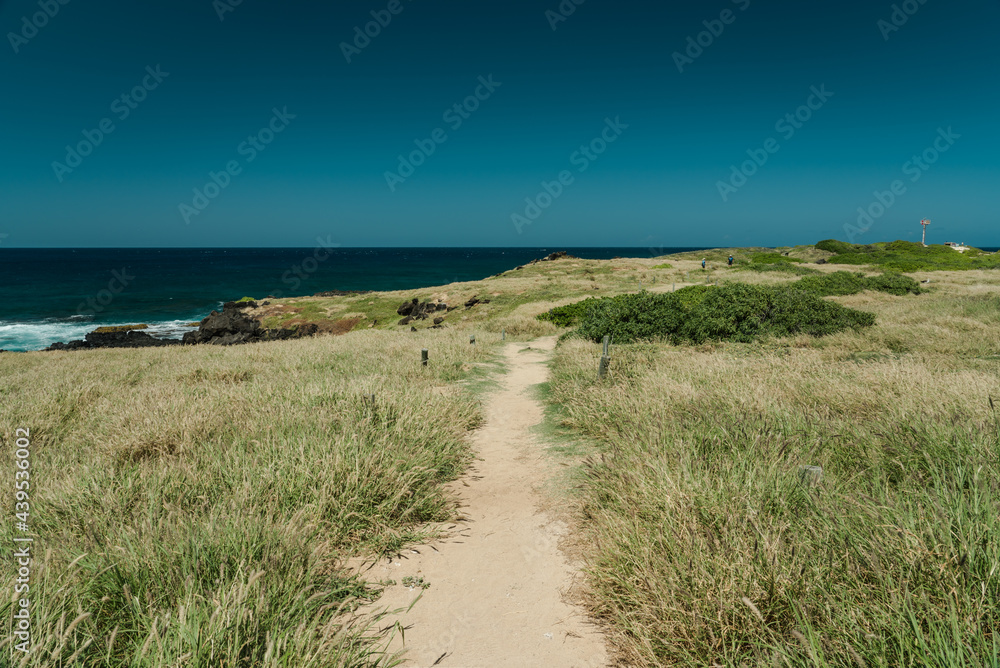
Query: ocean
<point x="49" y="295"/>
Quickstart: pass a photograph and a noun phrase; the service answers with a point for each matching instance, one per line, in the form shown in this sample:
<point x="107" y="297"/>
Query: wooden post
<point x="603" y="367"/>
<point x="607" y="340"/>
<point x="472" y="340"/>
<point x="503" y="334"/>
<point x="673" y="287"/>
<point x="423" y="357"/>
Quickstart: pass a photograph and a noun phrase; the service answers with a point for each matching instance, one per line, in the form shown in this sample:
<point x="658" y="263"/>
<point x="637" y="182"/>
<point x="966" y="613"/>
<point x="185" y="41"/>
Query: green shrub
<point x="566" y="316"/>
<point x="837" y="283"/>
<point x="834" y="246"/>
<point x="847" y="283"/>
<point x="734" y="312"/>
<point x="894" y="284"/>
<point x="913" y="256"/>
<point x="665" y="265"/>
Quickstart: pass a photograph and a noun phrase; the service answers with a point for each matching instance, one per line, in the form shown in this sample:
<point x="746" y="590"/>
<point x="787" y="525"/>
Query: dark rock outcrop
<point x="120" y="339"/>
<point x="417" y="310"/>
<point x="475" y="300"/>
<point x="239" y="305"/>
<point x="558" y="255"/>
<point x="233" y="326"/>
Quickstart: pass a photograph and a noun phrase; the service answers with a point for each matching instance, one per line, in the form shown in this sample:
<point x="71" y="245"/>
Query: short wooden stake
<point x="607" y="341"/>
<point x="423" y="357"/>
<point x="503" y="334"/>
<point x="472" y="340"/>
<point x="603" y="368"/>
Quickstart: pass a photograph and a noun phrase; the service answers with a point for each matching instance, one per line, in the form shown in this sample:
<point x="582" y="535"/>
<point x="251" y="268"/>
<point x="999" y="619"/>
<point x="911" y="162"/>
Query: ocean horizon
<point x="50" y="295"/>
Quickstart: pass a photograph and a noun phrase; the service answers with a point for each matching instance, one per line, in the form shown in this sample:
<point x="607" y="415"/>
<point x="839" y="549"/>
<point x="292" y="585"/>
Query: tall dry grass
<point x="709" y="550"/>
<point x="195" y="506"/>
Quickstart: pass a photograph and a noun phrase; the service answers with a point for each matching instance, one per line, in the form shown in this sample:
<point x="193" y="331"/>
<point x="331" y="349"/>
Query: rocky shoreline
<point x="234" y="325"/>
<point x="231" y="326"/>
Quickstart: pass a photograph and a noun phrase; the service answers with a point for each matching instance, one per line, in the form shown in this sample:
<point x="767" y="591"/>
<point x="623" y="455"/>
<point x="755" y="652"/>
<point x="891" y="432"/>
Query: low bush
<point x="834" y="246"/>
<point x="910" y="256"/>
<point x="734" y="312"/>
<point x="569" y="315"/>
<point x="847" y="283"/>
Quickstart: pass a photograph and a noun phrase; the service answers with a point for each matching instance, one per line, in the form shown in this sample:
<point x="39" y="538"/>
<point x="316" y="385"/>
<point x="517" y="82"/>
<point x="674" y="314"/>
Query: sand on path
<point x="498" y="582"/>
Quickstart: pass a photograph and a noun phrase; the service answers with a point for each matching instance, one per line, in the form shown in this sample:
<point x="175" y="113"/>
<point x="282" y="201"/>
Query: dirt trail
<point x="497" y="584"/>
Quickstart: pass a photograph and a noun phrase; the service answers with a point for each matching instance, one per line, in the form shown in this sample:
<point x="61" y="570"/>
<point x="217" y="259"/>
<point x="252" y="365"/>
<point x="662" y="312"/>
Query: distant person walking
<point x="730" y="260"/>
<point x="703" y="263"/>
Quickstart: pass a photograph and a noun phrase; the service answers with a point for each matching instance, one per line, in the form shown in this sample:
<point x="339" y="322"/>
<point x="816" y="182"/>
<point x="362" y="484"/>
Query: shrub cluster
<point x="734" y="312"/>
<point x="847" y="283"/>
<point x="834" y="246"/>
<point x="569" y="315"/>
<point x="909" y="256"/>
<point x="775" y="262"/>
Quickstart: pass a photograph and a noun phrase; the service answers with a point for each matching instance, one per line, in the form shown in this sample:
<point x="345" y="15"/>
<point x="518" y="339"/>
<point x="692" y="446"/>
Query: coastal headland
<point x="788" y="458"/>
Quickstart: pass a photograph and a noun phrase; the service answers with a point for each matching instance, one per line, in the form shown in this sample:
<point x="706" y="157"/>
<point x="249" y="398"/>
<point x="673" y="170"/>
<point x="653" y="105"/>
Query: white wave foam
<point x="24" y="336"/>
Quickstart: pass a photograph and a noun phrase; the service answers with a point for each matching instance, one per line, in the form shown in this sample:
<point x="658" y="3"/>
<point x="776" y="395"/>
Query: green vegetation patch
<point x="847" y="283"/>
<point x="734" y="312"/>
<point x="774" y="262"/>
<point x="569" y="315"/>
<point x="665" y="265"/>
<point x="909" y="256"/>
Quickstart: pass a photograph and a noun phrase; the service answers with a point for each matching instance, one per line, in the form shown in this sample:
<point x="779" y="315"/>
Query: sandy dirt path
<point x="498" y="583"/>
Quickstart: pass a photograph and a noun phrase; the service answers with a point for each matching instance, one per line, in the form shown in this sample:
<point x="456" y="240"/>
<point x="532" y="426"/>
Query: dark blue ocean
<point x="49" y="295"/>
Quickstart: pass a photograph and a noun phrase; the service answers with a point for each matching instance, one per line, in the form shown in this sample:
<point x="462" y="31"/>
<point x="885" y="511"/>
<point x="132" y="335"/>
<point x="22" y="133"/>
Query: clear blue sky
<point x="656" y="184"/>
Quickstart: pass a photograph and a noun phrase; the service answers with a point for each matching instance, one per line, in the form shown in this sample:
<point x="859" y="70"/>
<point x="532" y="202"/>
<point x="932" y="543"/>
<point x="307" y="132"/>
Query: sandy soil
<point x="499" y="582"/>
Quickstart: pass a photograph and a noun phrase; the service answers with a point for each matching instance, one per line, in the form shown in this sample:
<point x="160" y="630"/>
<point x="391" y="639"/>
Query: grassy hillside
<point x="198" y="505"/>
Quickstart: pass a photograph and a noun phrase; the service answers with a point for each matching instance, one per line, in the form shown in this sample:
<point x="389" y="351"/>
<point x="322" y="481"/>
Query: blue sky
<point x="643" y="109"/>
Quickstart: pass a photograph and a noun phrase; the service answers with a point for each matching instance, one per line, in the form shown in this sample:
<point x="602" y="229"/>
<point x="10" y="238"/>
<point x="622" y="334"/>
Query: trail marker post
<point x="472" y="339"/>
<point x="423" y="357"/>
<point x="602" y="368"/>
